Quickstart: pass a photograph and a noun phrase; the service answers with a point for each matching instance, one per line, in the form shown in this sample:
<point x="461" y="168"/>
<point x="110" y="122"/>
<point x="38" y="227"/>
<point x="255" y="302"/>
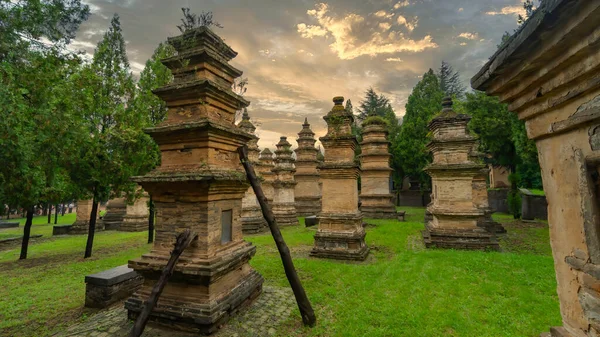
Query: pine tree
<point x="373" y="104"/>
<point x="349" y="106"/>
<point x="450" y="82"/>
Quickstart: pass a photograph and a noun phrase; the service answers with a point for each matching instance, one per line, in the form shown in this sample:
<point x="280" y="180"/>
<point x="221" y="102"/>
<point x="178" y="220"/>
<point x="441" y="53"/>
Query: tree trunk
<point x="183" y="241"/>
<point x="45" y="210"/>
<point x="306" y="310"/>
<point x="26" y="233"/>
<point x="64" y="208"/>
<point x="49" y="213"/>
<point x="56" y="214"/>
<point x="151" y="221"/>
<point x="92" y="229"/>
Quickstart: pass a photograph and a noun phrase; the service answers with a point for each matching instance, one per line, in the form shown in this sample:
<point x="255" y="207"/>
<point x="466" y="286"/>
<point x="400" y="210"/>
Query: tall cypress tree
<point x="410" y="149"/>
<point x="113" y="147"/>
<point x="450" y="82"/>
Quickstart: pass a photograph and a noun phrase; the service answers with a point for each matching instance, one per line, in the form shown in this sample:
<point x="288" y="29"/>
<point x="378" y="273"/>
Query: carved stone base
<point x="253" y="221"/>
<point x="340" y="238"/>
<point x="285" y="214"/>
<point x="82" y="227"/>
<point x="491" y="225"/>
<point x="558" y="331"/>
<point x="378" y="206"/>
<point x="455" y="238"/>
<point x="202" y="294"/>
<point x="308" y="206"/>
<point x="134" y="223"/>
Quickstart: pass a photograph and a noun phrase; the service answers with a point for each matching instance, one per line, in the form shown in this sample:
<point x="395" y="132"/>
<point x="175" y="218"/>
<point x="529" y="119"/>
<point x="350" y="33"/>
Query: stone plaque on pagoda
<point x="199" y="186"/>
<point x="340" y="234"/>
<point x="458" y="219"/>
<point x="252" y="217"/>
<point x="375" y="196"/>
<point x="307" y="192"/>
<point x="284" y="207"/>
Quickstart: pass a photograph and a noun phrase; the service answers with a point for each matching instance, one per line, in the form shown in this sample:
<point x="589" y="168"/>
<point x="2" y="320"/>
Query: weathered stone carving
<point x="548" y="75"/>
<point x="340" y="234"/>
<point x="375" y="196"/>
<point x="252" y="217"/>
<point x="460" y="215"/>
<point x="115" y="211"/>
<point x="307" y="192"/>
<point x="198" y="186"/>
<point x="136" y="215"/>
<point x="265" y="170"/>
<point x="284" y="207"/>
<point x="82" y="220"/>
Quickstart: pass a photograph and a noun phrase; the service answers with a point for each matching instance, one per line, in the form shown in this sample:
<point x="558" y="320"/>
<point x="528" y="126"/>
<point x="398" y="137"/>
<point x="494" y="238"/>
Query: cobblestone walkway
<point x="262" y="318"/>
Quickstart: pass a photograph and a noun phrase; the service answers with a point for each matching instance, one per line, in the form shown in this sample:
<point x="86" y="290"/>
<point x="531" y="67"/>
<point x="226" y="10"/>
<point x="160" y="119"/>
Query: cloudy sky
<point x="299" y="54"/>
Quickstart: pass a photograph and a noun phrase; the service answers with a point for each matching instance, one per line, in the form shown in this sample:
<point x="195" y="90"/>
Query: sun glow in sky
<point x="299" y="54"/>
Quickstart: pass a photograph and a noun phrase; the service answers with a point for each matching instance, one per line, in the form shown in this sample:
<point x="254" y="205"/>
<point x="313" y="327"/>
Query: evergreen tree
<point x="112" y="145"/>
<point x="373" y="104"/>
<point x="450" y="82"/>
<point x="349" y="106"/>
<point x="410" y="149"/>
<point x="35" y="119"/>
<point x="154" y="75"/>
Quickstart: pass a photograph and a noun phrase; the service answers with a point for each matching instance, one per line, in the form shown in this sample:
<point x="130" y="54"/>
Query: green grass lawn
<point x="40" y="225"/>
<point x="402" y="289"/>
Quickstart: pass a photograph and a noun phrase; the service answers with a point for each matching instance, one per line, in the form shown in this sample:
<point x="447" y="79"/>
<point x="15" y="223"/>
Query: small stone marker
<point x="6" y="224"/>
<point x="311" y="221"/>
<point x="401" y="215"/>
<point x="61" y="229"/>
<point x="107" y="287"/>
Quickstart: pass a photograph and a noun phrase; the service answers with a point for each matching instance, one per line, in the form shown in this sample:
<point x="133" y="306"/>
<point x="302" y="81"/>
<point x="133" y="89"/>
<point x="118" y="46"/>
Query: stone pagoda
<point x="265" y="170"/>
<point x="198" y="186"/>
<point x="115" y="212"/>
<point x="284" y="206"/>
<point x="82" y="220"/>
<point x="457" y="220"/>
<point x="252" y="217"/>
<point x="307" y="191"/>
<point x="340" y="234"/>
<point x="375" y="196"/>
<point x="136" y="215"/>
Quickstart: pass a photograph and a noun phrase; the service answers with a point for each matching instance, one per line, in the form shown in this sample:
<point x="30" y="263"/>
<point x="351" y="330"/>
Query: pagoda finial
<point x="245" y="115"/>
<point x="305" y="121"/>
<point x="338" y="100"/>
<point x="447" y="104"/>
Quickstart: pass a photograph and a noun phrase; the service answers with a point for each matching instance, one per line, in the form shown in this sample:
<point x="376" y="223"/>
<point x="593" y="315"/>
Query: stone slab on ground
<point x="9" y="224"/>
<point x="262" y="318"/>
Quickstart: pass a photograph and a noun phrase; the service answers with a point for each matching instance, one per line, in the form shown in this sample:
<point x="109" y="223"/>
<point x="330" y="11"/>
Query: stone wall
<point x="533" y="206"/>
<point x="498" y="200"/>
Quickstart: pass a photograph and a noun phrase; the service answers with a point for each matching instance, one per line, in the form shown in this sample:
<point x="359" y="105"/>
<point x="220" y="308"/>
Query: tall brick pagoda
<point x="375" y="196"/>
<point x="115" y="212"/>
<point x="198" y="186"/>
<point x="265" y="170"/>
<point x="136" y="215"/>
<point x="307" y="192"/>
<point x="82" y="220"/>
<point x="252" y="217"/>
<point x="458" y="219"/>
<point x="284" y="207"/>
<point x="340" y="234"/>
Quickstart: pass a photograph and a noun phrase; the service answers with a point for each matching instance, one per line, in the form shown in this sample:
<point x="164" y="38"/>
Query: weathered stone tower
<point x="375" y="196"/>
<point x="82" y="220"/>
<point x="265" y="170"/>
<point x="340" y="234"/>
<point x="457" y="220"/>
<point x="115" y="211"/>
<point x="307" y="191"/>
<point x="284" y="207"/>
<point x="136" y="215"/>
<point x="198" y="186"/>
<point x="252" y="217"/>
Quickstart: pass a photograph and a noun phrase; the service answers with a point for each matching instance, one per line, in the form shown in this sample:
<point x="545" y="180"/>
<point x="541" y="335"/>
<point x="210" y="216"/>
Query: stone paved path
<point x="262" y="318"/>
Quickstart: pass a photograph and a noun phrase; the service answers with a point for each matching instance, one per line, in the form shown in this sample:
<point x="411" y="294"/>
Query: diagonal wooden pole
<point x="183" y="241"/>
<point x="306" y="310"/>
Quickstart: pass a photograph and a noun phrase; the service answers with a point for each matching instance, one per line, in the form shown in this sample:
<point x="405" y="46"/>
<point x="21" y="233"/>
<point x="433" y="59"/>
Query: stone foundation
<point x="82" y="221"/>
<point x="116" y="209"/>
<point x="307" y="206"/>
<point x="253" y="220"/>
<point x="340" y="237"/>
<point x="470" y="239"/>
<point x="111" y="286"/>
<point x="377" y="207"/>
<point x="285" y="213"/>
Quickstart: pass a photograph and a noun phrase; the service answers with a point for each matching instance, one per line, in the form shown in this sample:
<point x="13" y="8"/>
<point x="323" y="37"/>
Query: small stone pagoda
<point x="284" y="206"/>
<point x="265" y="170"/>
<point x="457" y="220"/>
<point x="340" y="234"/>
<point x="82" y="220"/>
<point x="375" y="196"/>
<point x="136" y="215"/>
<point x="115" y="212"/>
<point x="252" y="217"/>
<point x="198" y="186"/>
<point x="307" y="191"/>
